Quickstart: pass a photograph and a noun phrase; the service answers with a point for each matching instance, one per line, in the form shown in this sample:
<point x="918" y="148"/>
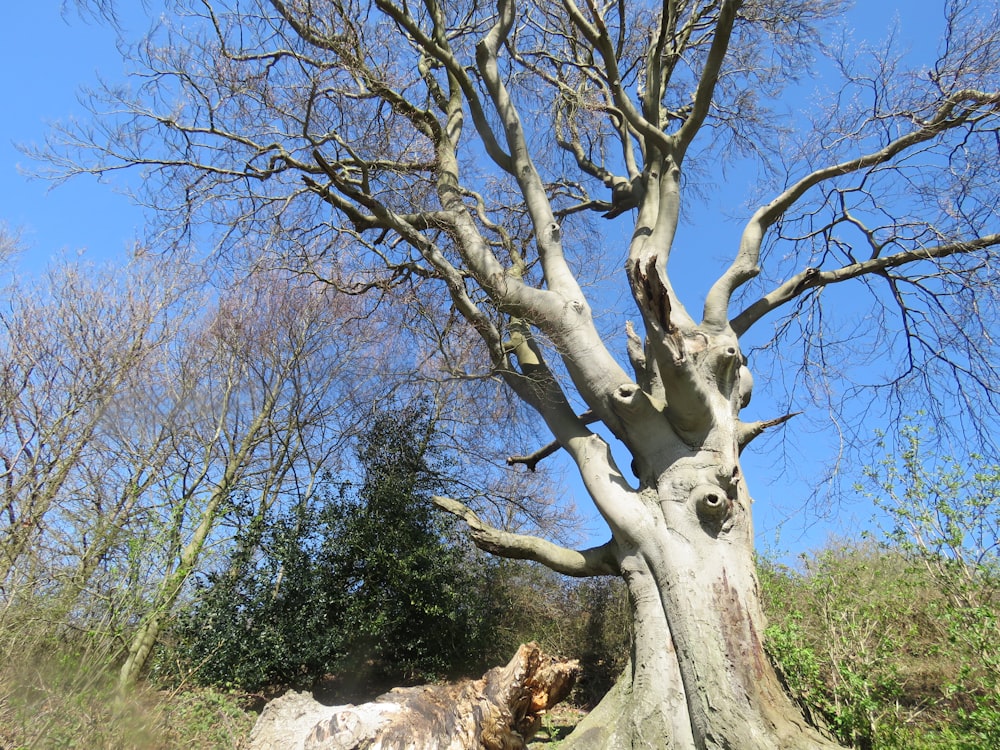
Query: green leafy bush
<point x="891" y="642"/>
<point x="369" y="580"/>
<point x="944" y="514"/>
<point x="851" y="635"/>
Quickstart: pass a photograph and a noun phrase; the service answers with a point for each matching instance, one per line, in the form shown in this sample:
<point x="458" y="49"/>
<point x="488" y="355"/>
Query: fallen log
<point x="500" y="711"/>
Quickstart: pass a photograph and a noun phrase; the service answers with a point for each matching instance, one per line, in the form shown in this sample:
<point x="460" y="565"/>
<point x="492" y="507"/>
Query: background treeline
<point x="214" y="492"/>
<point x="227" y="485"/>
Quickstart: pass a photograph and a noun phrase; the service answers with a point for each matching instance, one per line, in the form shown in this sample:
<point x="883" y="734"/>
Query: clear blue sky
<point x="50" y="56"/>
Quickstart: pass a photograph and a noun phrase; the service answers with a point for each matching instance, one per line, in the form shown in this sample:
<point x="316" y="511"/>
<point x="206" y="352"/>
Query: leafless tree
<point x="74" y="344"/>
<point x="272" y="367"/>
<point x="462" y="149"/>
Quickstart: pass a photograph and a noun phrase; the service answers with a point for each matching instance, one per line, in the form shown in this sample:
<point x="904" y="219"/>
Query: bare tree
<point x="467" y="146"/>
<point x="147" y="416"/>
<point x="272" y="373"/>
<point x="75" y="343"/>
<point x="129" y="418"/>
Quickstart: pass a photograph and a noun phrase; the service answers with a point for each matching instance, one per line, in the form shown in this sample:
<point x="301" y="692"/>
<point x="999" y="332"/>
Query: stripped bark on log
<point x="500" y="711"/>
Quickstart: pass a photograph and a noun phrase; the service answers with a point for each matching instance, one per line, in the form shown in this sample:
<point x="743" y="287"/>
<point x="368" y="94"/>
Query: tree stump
<point x="500" y="711"/>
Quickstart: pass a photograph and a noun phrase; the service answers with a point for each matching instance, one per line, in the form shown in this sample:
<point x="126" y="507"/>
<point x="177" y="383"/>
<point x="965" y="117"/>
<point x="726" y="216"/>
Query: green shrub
<point x="944" y="514"/>
<point x="857" y="634"/>
<point x="370" y="580"/>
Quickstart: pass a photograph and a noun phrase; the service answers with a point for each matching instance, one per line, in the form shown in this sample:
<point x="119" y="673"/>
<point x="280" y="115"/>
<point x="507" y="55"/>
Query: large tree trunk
<point x="682" y="538"/>
<point x="698" y="676"/>
<point x="501" y="711"/>
<point x="683" y="542"/>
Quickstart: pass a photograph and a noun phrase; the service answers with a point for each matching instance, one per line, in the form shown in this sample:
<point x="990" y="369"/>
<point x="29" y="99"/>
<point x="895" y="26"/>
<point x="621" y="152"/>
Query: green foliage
<point x="414" y="604"/>
<point x="369" y="580"/>
<point x="264" y="619"/>
<point x="945" y="515"/>
<point x="849" y="634"/>
<point x="892" y="642"/>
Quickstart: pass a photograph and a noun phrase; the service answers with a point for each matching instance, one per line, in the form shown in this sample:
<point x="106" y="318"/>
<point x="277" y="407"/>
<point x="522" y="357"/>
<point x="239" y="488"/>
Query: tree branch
<point x="548" y="234"/>
<point x="596" y="561"/>
<point x="439" y="50"/>
<point x="532" y="460"/>
<point x="956" y="109"/>
<point x="709" y="77"/>
<point x="599" y="38"/>
<point x="812" y="278"/>
<point x="747" y="431"/>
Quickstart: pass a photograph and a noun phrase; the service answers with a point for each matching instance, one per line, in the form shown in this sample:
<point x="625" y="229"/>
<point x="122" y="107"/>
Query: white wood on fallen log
<point x="500" y="711"/>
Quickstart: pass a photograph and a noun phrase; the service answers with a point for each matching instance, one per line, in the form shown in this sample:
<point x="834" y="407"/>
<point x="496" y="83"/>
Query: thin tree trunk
<point x="148" y="632"/>
<point x="143" y="640"/>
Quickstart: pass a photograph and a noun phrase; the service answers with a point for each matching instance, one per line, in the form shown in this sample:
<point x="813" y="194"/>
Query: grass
<point x="66" y="710"/>
<point x="556" y="725"/>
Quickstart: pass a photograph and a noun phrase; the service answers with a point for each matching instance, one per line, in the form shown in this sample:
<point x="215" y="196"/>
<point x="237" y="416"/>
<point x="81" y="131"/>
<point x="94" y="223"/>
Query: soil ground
<point x="556" y="724"/>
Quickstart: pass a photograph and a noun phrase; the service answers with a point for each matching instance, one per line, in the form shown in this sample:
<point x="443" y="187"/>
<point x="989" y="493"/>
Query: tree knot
<point x="711" y="504"/>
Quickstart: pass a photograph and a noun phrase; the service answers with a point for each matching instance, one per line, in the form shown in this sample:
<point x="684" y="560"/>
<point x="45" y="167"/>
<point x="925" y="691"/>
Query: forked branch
<point x="955" y="110"/>
<point x="812" y="278"/>
<point x="531" y="460"/>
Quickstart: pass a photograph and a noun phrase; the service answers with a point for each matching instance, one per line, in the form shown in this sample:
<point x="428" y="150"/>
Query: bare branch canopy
<point x="482" y="165"/>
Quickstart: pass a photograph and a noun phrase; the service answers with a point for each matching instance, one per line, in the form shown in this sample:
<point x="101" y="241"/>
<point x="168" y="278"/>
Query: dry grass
<point x="51" y="708"/>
